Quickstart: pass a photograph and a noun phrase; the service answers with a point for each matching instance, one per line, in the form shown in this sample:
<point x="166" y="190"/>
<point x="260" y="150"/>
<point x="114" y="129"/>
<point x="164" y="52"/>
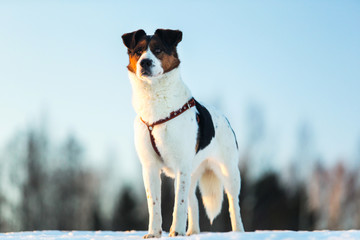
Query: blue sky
<point x="297" y="61"/>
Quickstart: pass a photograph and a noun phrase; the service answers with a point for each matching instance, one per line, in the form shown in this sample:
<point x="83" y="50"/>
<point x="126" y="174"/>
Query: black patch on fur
<point x="131" y="39"/>
<point x="237" y="146"/>
<point x="169" y="37"/>
<point x="206" y="130"/>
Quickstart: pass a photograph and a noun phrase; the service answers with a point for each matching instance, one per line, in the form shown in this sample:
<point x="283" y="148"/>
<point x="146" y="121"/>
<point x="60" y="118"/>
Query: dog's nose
<point x="146" y="63"/>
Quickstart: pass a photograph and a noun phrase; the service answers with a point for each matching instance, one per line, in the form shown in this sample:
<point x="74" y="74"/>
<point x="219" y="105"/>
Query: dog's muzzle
<point x="146" y="65"/>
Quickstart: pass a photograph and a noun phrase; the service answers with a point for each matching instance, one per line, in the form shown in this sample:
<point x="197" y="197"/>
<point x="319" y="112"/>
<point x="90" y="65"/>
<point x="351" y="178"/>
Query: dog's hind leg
<point x="193" y="209"/>
<point x="232" y="184"/>
<point x="152" y="182"/>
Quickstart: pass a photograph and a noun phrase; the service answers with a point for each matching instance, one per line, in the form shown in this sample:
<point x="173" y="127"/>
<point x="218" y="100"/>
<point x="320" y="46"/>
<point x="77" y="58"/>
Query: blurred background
<point x="286" y="74"/>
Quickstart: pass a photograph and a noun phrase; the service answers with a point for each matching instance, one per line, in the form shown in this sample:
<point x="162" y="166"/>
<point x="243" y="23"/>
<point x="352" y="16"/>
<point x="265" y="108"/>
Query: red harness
<point x="191" y="103"/>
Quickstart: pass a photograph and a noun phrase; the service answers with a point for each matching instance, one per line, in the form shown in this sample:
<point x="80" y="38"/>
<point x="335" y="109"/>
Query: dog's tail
<point x="212" y="193"/>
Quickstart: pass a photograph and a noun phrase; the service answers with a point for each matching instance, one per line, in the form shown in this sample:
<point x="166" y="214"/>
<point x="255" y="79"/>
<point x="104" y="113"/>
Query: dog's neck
<point x="156" y="99"/>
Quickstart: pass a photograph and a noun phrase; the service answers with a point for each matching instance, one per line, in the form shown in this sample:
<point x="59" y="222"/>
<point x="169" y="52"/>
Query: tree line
<point x="47" y="186"/>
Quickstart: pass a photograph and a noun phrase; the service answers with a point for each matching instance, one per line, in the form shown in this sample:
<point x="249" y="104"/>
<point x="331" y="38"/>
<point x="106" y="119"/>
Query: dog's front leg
<point x="182" y="184"/>
<point x="152" y="182"/>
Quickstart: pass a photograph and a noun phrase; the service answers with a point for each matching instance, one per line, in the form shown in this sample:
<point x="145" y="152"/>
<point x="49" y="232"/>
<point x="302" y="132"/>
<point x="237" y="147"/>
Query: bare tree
<point x="41" y="194"/>
<point x="33" y="195"/>
<point x="74" y="190"/>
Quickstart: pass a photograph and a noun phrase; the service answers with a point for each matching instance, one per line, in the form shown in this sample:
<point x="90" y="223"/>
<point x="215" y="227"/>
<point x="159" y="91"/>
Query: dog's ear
<point x="131" y="39"/>
<point x="169" y="37"/>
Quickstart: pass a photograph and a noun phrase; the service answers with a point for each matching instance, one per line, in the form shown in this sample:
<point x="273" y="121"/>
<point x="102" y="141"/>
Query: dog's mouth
<point x="148" y="73"/>
<point x="145" y="72"/>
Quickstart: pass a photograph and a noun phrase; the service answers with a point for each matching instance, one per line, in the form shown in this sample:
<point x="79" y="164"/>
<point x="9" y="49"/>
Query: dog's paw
<point x="192" y="231"/>
<point x="175" y="234"/>
<point x="151" y="235"/>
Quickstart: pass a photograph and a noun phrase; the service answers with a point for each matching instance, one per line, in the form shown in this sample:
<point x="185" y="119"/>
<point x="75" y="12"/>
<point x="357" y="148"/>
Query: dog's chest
<point x="175" y="140"/>
<point x="177" y="136"/>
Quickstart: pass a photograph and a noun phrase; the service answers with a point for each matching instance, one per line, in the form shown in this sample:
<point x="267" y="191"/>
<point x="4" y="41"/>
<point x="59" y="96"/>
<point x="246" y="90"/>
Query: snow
<point x="258" y="235"/>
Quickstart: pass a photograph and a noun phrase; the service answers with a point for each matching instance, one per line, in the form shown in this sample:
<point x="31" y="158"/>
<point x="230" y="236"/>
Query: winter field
<point x="258" y="235"/>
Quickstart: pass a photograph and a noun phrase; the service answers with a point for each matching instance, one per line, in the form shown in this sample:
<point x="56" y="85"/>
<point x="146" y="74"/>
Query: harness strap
<point x="191" y="103"/>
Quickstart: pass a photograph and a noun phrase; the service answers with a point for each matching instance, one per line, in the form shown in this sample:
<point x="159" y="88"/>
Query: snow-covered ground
<point x="258" y="235"/>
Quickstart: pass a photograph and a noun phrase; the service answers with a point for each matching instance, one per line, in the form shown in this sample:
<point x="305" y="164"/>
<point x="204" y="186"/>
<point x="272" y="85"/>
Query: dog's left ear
<point x="169" y="37"/>
<point x="131" y="39"/>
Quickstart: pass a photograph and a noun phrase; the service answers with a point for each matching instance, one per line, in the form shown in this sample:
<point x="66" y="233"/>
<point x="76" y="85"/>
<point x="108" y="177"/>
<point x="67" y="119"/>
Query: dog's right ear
<point x="170" y="37"/>
<point x="131" y="39"/>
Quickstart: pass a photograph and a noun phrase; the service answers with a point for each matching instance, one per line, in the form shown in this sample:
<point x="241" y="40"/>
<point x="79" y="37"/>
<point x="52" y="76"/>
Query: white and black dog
<point x="177" y="135"/>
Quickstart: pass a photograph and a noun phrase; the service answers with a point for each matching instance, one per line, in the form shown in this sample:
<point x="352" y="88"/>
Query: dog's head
<point x="150" y="56"/>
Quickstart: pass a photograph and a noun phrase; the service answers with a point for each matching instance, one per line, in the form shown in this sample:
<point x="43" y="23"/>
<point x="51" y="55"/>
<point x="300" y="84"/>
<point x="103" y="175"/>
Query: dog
<point x="178" y="136"/>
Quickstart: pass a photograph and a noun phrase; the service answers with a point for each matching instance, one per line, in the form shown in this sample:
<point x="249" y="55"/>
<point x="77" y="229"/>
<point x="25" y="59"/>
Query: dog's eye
<point x="157" y="50"/>
<point x="139" y="52"/>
